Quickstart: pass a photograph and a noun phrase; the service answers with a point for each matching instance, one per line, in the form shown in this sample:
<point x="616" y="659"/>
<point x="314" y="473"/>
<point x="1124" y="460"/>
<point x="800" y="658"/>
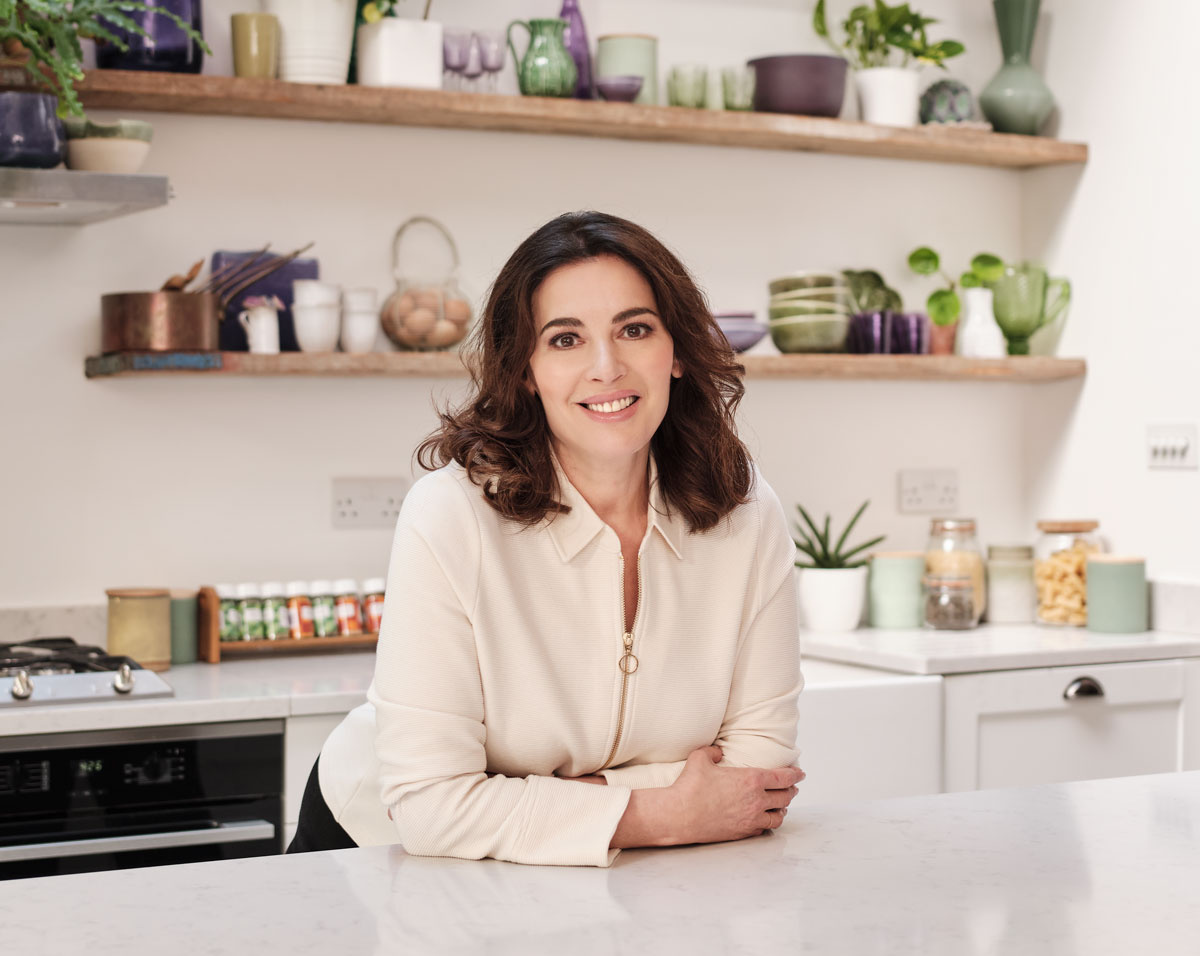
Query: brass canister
<point x="139" y="625"/>
<point x="159" y="322"/>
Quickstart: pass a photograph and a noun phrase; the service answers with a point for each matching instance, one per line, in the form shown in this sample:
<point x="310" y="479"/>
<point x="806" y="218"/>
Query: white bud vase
<point x="979" y="335"/>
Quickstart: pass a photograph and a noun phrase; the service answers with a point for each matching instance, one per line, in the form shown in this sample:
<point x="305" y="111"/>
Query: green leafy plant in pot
<point x="944" y="305"/>
<point x="46" y="34"/>
<point x="833" y="581"/>
<point x="885" y="46"/>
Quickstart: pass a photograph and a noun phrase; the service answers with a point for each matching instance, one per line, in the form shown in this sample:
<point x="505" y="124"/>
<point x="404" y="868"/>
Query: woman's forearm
<point x="651" y="818"/>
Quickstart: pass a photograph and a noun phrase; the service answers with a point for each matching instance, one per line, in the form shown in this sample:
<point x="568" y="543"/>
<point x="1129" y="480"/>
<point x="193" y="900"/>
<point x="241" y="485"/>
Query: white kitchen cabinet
<point x="1022" y="727"/>
<point x="868" y="739"/>
<point x="303" y="738"/>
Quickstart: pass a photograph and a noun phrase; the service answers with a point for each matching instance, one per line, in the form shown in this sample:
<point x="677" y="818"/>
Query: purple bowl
<point x="805" y="83"/>
<point x="741" y="333"/>
<point x="619" y="89"/>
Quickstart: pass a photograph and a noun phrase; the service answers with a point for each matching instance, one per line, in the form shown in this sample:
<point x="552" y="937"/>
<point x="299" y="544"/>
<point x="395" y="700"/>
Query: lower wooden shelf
<point x="924" y="368"/>
<point x="212" y="649"/>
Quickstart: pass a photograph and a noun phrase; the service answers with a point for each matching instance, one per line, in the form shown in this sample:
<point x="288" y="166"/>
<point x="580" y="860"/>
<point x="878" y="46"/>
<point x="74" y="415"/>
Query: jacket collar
<point x="572" y="531"/>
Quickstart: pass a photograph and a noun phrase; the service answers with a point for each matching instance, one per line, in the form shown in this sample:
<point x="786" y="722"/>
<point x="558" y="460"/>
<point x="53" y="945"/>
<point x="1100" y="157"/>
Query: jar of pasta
<point x="953" y="551"/>
<point x="1060" y="570"/>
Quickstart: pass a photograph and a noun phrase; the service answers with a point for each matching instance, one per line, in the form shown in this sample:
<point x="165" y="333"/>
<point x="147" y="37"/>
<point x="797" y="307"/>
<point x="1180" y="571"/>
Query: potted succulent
<point x="885" y="46"/>
<point x="945" y="307"/>
<point x="45" y="36"/>
<point x="833" y="582"/>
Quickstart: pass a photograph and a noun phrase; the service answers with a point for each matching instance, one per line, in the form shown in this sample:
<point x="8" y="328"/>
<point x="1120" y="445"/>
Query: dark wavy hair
<point x="499" y="434"/>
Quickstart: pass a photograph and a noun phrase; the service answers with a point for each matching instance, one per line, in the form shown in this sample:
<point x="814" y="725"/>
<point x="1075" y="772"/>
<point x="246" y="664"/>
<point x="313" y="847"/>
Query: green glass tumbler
<point x="894" y="595"/>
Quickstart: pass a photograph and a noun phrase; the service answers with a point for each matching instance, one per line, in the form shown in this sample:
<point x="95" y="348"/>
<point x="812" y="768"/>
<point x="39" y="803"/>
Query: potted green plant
<point x="885" y="46"/>
<point x="944" y="305"/>
<point x="46" y="34"/>
<point x="833" y="582"/>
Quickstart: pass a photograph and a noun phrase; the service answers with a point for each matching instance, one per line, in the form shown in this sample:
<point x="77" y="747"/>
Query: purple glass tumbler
<point x="910" y="333"/>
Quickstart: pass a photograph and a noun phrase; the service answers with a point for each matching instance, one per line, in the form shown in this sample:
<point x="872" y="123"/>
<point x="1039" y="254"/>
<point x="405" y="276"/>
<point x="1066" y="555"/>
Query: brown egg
<point x="404" y="304"/>
<point x="420" y="321"/>
<point x="428" y="299"/>
<point x="443" y="334"/>
<point x="458" y="311"/>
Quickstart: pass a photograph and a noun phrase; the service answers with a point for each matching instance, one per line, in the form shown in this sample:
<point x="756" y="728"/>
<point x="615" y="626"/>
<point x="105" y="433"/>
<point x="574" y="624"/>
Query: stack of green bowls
<point x="809" y="312"/>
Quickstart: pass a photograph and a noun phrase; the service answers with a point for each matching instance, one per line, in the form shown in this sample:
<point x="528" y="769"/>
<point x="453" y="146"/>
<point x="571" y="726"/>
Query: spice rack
<point x="212" y="649"/>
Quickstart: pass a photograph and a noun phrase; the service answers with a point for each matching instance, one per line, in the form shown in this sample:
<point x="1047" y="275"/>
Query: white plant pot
<point x="315" y="37"/>
<point x="397" y="52"/>
<point x="832" y="599"/>
<point x="887" y="95"/>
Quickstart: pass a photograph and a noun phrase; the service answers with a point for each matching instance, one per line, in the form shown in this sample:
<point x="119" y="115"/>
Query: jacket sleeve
<point x="761" y="719"/>
<point x="430" y="729"/>
<point x="644" y="776"/>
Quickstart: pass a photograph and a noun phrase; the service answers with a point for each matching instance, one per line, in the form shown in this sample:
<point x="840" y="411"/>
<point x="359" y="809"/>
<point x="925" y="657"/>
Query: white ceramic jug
<point x="262" y="329"/>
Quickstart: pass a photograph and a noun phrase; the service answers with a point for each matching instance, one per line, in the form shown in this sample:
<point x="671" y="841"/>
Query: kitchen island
<point x="1098" y="867"/>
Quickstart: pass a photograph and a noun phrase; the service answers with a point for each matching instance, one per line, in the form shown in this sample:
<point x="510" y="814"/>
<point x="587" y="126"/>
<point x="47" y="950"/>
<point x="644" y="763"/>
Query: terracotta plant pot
<point x="941" y="338"/>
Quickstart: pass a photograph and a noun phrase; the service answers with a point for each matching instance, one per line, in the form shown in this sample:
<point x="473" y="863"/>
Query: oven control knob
<point x="22" y="686"/>
<point x="123" y="682"/>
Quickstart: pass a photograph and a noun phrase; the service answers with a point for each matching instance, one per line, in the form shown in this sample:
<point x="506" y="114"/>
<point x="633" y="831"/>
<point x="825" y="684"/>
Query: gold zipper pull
<point x="628" y="662"/>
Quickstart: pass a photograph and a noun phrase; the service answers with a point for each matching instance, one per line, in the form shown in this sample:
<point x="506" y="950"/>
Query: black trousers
<point x="317" y="829"/>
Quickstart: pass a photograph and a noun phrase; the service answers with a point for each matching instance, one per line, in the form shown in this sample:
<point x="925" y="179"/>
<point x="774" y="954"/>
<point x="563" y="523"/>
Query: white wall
<point x="1127" y="237"/>
<point x="179" y="481"/>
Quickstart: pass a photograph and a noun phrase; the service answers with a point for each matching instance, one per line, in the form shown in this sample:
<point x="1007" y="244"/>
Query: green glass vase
<point x="1017" y="100"/>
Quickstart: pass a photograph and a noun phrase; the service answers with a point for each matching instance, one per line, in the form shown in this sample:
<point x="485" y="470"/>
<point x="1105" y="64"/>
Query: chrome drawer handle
<point x="1083" y="687"/>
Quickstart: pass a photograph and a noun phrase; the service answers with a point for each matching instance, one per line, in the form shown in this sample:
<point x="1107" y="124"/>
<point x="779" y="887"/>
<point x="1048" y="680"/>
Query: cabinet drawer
<point x="1050" y="725"/>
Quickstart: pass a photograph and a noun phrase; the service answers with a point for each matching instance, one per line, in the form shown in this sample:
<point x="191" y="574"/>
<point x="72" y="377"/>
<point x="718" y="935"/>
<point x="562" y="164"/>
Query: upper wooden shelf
<point x="274" y="99"/>
<point x="928" y="368"/>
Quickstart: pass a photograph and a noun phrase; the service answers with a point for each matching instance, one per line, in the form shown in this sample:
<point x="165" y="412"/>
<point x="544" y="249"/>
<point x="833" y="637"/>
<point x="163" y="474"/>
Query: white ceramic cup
<point x="359" y="331"/>
<point x="315" y="292"/>
<point x="262" y="329"/>
<point x="360" y="300"/>
<point x="317" y="327"/>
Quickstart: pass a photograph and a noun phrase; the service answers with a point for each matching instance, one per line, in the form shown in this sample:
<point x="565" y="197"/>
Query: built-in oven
<point x="145" y="796"/>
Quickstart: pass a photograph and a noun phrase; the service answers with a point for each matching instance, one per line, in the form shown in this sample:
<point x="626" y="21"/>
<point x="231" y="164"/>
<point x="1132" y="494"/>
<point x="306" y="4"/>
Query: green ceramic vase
<point x="547" y="69"/>
<point x="1017" y="100"/>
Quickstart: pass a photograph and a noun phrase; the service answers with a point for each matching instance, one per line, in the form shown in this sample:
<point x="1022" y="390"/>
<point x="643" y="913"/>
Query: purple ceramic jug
<point x="576" y="41"/>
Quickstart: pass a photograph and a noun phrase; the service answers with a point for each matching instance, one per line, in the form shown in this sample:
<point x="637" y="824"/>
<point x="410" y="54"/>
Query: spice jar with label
<point x="231" y="617"/>
<point x="347" y="608"/>
<point x="953" y="550"/>
<point x="1060" y="570"/>
<point x="250" y="606"/>
<point x="1012" y="596"/>
<point x="373" y="589"/>
<point x="950" y="602"/>
<point x="324" y="611"/>
<point x="300" y="610"/>
<point x="275" y="614"/>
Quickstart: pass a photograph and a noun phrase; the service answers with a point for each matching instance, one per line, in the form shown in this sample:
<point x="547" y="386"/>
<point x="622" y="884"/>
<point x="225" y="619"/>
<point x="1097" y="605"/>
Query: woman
<point x="590" y="638"/>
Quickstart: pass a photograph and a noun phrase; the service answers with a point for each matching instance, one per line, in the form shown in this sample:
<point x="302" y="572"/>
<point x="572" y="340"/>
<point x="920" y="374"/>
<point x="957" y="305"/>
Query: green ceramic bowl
<point x="826" y="333"/>
<point x="836" y="293"/>
<point x="803" y="280"/>
<point x="788" y="310"/>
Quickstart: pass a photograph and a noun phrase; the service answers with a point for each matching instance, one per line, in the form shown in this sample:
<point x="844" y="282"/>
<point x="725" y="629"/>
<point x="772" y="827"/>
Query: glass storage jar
<point x="950" y="602"/>
<point x="1012" y="596"/>
<point x="1060" y="570"/>
<point x="953" y="550"/>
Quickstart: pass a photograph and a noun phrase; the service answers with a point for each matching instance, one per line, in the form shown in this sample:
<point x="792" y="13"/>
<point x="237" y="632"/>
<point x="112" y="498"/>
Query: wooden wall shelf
<point x="275" y="99"/>
<point x="926" y="368"/>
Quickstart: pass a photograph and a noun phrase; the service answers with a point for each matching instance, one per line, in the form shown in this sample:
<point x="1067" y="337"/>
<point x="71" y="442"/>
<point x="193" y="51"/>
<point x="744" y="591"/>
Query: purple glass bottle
<point x="576" y="41"/>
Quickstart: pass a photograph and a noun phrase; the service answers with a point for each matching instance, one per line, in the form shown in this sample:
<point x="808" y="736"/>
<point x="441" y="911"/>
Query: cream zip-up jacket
<point x="497" y="673"/>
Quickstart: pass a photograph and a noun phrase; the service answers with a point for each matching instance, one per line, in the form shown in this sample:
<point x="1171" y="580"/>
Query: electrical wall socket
<point x="368" y="502"/>
<point x="1171" y="446"/>
<point x="928" y="491"/>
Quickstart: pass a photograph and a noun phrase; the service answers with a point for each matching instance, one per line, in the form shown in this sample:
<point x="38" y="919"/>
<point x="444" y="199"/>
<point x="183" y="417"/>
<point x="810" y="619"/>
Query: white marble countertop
<point x="1093" y="868"/>
<point x="285" y="686"/>
<point x="992" y="648"/>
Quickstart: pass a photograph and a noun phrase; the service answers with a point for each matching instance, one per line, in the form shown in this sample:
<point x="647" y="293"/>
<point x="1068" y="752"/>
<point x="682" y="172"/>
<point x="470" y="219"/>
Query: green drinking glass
<point x="1024" y="300"/>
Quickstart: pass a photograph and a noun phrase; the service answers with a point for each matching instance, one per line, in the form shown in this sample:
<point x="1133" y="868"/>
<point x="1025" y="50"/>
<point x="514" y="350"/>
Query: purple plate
<point x="232" y="336"/>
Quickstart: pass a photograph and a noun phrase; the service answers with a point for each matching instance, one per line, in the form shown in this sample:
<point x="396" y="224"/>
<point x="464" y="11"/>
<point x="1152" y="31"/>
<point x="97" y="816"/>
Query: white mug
<point x="262" y="329"/>
<point x="316" y="327"/>
<point x="359" y="331"/>
<point x="315" y="292"/>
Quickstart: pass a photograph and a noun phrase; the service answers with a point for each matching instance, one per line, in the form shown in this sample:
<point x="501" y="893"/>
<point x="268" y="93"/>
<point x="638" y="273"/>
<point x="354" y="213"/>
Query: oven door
<point x="103" y="800"/>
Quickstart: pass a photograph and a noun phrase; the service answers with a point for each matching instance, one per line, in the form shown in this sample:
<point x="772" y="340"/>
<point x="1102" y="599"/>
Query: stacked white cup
<point x="360" y="320"/>
<point x="316" y="313"/>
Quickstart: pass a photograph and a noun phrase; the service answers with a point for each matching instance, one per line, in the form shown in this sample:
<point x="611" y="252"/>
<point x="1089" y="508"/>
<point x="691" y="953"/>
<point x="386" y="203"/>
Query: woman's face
<point x="603" y="361"/>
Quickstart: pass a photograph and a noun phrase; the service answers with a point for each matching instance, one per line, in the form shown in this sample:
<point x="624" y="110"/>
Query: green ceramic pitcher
<point x="547" y="69"/>
<point x="1024" y="300"/>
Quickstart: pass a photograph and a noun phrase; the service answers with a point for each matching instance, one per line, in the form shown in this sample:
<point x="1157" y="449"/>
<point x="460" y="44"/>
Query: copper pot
<point x="158" y="322"/>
